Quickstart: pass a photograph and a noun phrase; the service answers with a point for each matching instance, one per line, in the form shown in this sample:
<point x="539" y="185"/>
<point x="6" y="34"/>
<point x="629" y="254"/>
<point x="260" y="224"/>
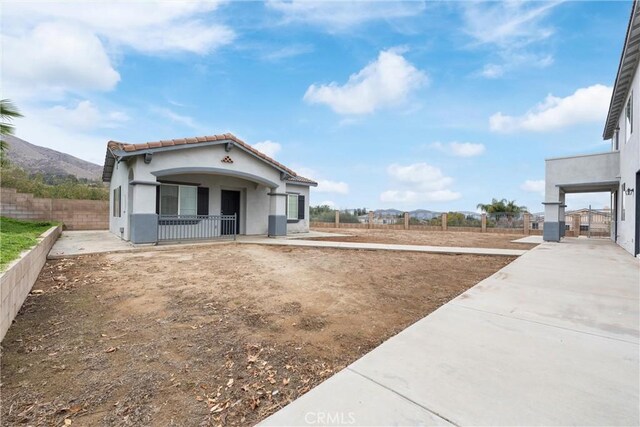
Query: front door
<point x="230" y="205"/>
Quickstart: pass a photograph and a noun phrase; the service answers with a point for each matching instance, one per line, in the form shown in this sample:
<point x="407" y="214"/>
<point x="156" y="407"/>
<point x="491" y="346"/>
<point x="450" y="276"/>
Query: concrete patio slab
<point x="529" y="239"/>
<point x="74" y="243"/>
<point x="381" y="246"/>
<point x="552" y="339"/>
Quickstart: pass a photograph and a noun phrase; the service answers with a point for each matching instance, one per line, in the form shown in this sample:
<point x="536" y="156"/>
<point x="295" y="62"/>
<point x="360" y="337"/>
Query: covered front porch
<point x="203" y="204"/>
<point x="591" y="173"/>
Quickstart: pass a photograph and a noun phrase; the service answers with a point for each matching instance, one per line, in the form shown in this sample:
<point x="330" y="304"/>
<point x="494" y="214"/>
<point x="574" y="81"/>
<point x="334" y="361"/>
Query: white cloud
<point x="286" y="52"/>
<point x="84" y="116"/>
<point x="386" y="81"/>
<point x="507" y="24"/>
<point x="533" y="186"/>
<point x="467" y="149"/>
<point x="512" y="60"/>
<point x="176" y="117"/>
<point x="336" y="16"/>
<point x="460" y="149"/>
<point x="419" y="182"/>
<point x="324" y="185"/>
<point x="51" y="48"/>
<point x="54" y="59"/>
<point x="269" y="148"/>
<point x="147" y="26"/>
<point x="509" y="29"/>
<point x="492" y="71"/>
<point x="585" y="105"/>
<point x="327" y="186"/>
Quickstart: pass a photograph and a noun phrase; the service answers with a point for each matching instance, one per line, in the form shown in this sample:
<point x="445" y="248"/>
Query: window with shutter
<point x="292" y="206"/>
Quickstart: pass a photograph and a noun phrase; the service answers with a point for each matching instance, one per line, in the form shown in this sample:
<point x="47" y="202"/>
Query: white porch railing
<point x="196" y="227"/>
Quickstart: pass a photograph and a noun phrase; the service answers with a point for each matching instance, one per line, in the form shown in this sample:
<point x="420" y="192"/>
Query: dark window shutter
<point x="300" y="206"/>
<point x="157" y="199"/>
<point x="203" y="201"/>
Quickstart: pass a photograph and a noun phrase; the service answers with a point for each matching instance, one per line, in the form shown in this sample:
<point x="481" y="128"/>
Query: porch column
<point x="554" y="221"/>
<point x="143" y="220"/>
<point x="277" y="213"/>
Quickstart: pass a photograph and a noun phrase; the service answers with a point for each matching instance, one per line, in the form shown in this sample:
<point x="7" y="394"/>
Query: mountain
<point x="387" y="212"/>
<point x="424" y="214"/>
<point x="36" y="159"/>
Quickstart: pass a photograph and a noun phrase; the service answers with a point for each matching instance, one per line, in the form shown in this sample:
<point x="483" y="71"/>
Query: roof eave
<point x="620" y="91"/>
<point x="123" y="153"/>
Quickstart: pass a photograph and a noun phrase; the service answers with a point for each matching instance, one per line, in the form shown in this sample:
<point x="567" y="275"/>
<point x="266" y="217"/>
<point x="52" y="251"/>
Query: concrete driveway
<point x="551" y="339"/>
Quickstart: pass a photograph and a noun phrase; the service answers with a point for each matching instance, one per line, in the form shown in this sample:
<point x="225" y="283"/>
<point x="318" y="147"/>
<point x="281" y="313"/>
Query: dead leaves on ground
<point x="260" y="385"/>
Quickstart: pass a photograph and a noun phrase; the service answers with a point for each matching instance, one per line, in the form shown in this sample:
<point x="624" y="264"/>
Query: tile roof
<point x="301" y="179"/>
<point x="132" y="148"/>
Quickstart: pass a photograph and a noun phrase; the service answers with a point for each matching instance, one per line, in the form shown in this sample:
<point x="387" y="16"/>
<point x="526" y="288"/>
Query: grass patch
<point x="17" y="235"/>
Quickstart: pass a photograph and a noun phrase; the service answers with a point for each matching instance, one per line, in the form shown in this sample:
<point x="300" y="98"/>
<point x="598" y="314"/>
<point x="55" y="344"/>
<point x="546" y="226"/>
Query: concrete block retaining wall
<point x="18" y="279"/>
<point x="74" y="214"/>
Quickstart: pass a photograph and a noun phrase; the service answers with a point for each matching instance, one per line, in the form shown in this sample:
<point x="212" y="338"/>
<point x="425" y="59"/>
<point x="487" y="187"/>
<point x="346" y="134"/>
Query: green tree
<point x="8" y="112"/>
<point x="502" y="206"/>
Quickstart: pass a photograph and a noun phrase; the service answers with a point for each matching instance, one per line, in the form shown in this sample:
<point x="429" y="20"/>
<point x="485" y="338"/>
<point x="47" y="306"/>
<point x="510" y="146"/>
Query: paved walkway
<point x="529" y="239"/>
<point x="551" y="339"/>
<point x="381" y="246"/>
<point x="74" y="243"/>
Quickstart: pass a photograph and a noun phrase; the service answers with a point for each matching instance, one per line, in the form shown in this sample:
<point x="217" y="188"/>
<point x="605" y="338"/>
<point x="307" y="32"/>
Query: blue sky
<point x="409" y="105"/>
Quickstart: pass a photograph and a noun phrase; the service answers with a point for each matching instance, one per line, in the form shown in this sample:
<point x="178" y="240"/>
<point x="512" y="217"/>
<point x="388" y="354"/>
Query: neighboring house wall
<point x="629" y="166"/>
<point x="74" y="214"/>
<point x="301" y="225"/>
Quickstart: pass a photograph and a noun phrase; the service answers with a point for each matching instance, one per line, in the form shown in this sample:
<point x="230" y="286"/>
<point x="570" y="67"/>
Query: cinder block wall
<point x="16" y="282"/>
<point x="74" y="214"/>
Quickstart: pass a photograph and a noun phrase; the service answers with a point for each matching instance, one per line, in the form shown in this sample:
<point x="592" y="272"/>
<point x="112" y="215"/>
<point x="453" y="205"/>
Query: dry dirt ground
<point x="463" y="239"/>
<point x="217" y="335"/>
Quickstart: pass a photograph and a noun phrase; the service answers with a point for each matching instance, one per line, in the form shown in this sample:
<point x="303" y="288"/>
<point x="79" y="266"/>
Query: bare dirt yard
<point x="465" y="239"/>
<point x="213" y="335"/>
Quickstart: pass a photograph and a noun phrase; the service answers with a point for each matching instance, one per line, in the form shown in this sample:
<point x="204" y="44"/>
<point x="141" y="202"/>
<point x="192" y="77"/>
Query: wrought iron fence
<point x="196" y="227"/>
<point x="505" y="220"/>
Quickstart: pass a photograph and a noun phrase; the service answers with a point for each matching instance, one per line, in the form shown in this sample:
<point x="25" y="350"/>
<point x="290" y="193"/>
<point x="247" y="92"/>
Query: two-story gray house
<point x="616" y="171"/>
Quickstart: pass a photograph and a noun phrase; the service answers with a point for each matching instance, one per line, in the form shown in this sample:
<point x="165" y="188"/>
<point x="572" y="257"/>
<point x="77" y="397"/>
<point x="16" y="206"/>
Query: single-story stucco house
<point x="201" y="188"/>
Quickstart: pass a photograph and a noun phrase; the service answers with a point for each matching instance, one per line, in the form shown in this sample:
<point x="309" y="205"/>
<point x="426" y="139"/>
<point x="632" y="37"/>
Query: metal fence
<point x="505" y="220"/>
<point x="196" y="227"/>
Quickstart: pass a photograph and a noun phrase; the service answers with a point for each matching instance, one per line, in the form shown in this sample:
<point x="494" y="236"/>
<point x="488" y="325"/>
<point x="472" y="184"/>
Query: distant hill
<point x="36" y="159"/>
